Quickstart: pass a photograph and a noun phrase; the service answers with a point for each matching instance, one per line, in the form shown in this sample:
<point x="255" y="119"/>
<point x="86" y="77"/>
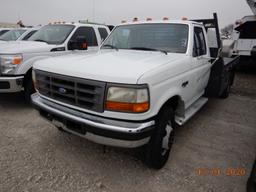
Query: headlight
<point x="128" y="99"/>
<point x="10" y="62"/>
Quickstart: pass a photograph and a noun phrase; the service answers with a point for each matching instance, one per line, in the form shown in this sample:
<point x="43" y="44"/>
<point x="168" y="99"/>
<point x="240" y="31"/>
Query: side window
<point x="29" y="35"/>
<point x="103" y="33"/>
<point x="88" y="33"/>
<point x="199" y="42"/>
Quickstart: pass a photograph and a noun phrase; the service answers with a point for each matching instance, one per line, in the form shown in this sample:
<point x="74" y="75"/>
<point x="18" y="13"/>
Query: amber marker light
<point x="127" y="107"/>
<point x="17" y="60"/>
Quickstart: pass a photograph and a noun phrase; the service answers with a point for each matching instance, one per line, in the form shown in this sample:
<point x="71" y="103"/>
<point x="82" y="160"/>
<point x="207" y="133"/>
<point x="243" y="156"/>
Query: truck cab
<point x="17" y="58"/>
<point x="147" y="78"/>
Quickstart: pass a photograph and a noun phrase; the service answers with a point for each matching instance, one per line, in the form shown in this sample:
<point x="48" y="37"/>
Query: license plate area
<point x="75" y="127"/>
<point x="64" y="123"/>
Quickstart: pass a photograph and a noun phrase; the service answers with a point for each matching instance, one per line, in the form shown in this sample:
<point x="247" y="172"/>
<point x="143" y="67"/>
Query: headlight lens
<point x="10" y="62"/>
<point x="135" y="100"/>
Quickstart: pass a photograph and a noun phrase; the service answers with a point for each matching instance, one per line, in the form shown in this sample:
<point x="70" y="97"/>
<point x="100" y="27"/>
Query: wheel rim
<point x="168" y="138"/>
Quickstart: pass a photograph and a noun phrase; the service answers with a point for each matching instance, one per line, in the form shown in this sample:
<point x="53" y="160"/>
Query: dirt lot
<point x="34" y="156"/>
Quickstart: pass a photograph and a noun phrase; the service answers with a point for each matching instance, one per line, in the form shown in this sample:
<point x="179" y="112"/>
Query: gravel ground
<point x="34" y="156"/>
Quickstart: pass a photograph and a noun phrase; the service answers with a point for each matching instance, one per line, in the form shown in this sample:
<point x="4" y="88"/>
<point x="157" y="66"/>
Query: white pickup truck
<point x="147" y="78"/>
<point x="17" y="58"/>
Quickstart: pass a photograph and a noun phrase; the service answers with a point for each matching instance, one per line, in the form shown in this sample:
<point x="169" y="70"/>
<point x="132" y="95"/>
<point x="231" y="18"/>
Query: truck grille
<point x="80" y="92"/>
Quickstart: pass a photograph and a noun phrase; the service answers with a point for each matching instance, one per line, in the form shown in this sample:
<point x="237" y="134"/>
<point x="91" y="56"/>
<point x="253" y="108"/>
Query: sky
<point x="34" y="12"/>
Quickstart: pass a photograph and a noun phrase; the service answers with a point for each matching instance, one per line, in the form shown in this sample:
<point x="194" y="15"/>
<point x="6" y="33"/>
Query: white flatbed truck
<point x="147" y="78"/>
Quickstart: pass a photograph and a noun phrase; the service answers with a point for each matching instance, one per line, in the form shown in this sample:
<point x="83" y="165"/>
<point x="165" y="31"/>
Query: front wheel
<point x="161" y="141"/>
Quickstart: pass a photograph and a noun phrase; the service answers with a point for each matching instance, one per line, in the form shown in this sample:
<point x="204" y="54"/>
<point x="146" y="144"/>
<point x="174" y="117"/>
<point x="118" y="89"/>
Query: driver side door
<point x="201" y="64"/>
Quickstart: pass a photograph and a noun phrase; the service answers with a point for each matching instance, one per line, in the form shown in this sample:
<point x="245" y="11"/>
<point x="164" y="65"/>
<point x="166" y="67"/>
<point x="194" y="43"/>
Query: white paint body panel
<point x="244" y="46"/>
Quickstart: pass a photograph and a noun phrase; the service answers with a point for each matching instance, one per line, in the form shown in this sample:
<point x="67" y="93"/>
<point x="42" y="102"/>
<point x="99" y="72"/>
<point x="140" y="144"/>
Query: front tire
<point x="158" y="149"/>
<point x="28" y="87"/>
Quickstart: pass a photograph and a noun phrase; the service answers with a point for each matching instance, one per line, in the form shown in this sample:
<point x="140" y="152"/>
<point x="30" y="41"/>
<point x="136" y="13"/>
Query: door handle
<point x="184" y="84"/>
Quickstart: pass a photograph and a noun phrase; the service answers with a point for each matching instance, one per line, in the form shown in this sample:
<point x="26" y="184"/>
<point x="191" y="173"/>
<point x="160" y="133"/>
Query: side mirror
<point x="79" y="43"/>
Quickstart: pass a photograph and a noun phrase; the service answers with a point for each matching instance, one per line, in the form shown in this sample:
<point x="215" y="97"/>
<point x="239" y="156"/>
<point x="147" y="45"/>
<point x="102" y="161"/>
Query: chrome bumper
<point x="97" y="129"/>
<point x="11" y="84"/>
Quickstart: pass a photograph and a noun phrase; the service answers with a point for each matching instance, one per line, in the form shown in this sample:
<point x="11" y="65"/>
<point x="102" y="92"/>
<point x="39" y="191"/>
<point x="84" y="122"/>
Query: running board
<point x="191" y="111"/>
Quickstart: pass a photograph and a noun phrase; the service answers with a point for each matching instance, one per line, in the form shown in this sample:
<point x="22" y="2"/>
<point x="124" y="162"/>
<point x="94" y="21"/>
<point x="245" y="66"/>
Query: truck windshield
<point x="12" y="35"/>
<point x="52" y="34"/>
<point x="149" y="37"/>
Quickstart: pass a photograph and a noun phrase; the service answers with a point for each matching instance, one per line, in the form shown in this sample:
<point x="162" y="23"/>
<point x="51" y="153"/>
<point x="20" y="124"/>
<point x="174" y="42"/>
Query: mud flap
<point x="215" y="84"/>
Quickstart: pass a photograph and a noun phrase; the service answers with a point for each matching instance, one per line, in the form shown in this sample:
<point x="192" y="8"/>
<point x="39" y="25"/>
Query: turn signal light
<point x="184" y="18"/>
<point x="135" y="19"/>
<point x="17" y="61"/>
<point x="127" y="107"/>
<point x="165" y="18"/>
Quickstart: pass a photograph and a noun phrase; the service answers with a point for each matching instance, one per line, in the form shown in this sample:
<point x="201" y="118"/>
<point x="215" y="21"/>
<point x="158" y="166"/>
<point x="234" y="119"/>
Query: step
<point x="195" y="107"/>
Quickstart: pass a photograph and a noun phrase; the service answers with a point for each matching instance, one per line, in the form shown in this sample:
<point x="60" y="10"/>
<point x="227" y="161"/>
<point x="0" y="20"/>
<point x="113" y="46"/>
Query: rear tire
<point x="158" y="149"/>
<point x="226" y="91"/>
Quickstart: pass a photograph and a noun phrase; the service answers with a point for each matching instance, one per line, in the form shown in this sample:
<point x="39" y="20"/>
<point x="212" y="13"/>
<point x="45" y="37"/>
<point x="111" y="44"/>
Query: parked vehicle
<point x="18" y="57"/>
<point x="147" y="78"/>
<point x="245" y="34"/>
<point x="21" y="34"/>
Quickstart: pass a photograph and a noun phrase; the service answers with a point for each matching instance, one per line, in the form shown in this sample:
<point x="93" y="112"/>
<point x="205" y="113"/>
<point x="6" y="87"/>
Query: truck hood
<point x="12" y="47"/>
<point x="123" y="66"/>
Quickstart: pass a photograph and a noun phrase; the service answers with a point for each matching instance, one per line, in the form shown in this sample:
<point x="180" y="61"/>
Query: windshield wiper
<point x="110" y="46"/>
<point x="41" y="40"/>
<point x="149" y="49"/>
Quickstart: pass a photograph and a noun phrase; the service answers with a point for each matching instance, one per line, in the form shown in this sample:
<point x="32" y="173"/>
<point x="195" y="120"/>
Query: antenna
<point x="93" y="10"/>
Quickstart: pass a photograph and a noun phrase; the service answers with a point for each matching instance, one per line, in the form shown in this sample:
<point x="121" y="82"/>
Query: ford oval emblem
<point x="62" y="90"/>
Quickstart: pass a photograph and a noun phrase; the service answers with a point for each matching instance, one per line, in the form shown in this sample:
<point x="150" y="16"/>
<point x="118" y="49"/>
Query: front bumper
<point x="11" y="84"/>
<point x="97" y="129"/>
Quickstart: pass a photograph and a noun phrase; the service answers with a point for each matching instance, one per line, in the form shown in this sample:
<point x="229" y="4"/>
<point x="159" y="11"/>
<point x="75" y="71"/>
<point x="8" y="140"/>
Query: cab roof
<point x="77" y="24"/>
<point x="186" y="22"/>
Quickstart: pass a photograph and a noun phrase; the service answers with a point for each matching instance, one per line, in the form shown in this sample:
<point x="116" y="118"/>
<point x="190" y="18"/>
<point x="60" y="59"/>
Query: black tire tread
<point x="154" y="159"/>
